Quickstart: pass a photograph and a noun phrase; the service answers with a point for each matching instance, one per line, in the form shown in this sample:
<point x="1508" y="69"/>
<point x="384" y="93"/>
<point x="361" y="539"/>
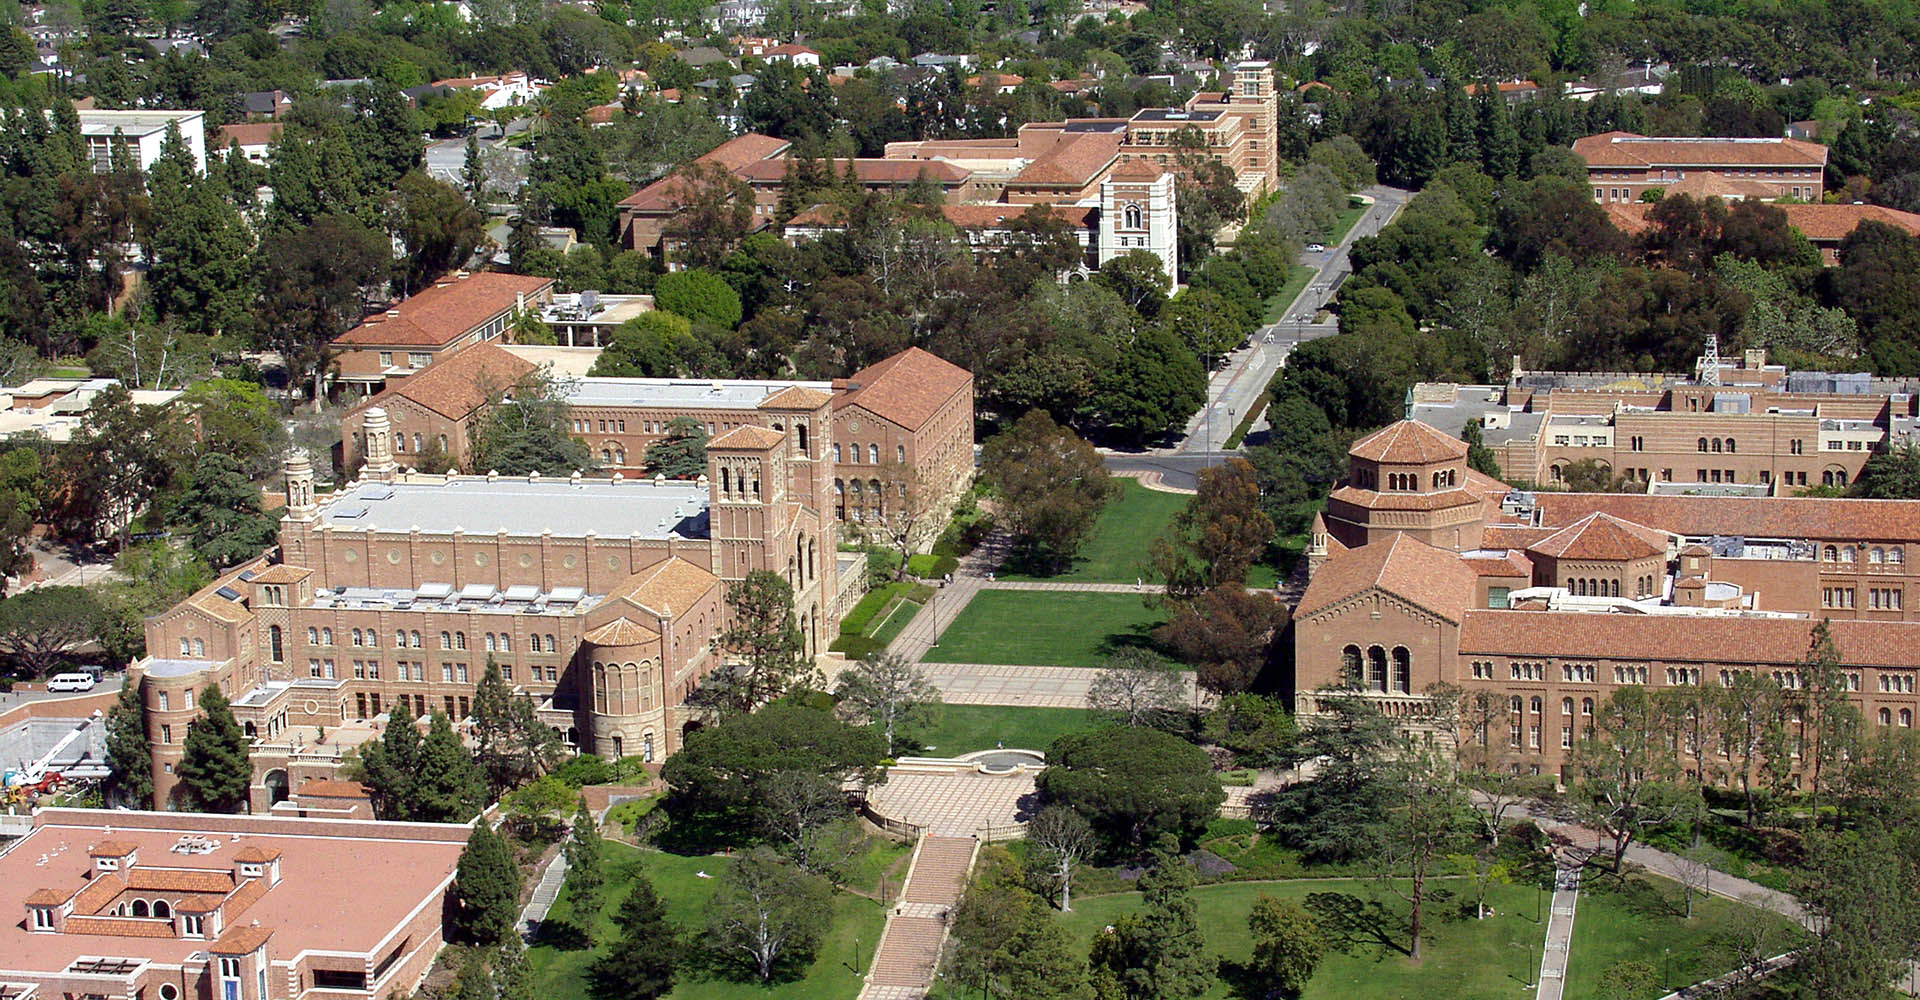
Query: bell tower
<point x="380" y="466"/>
<point x="299" y="474"/>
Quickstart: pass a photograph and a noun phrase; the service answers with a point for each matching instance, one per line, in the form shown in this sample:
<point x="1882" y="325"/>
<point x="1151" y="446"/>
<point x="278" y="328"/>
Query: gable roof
<point x="1699" y="638"/>
<point x="907" y="388"/>
<point x="440" y="315"/>
<point x="1076" y="159"/>
<point x="796" y="397"/>
<point x="1819" y="223"/>
<point x="733" y="156"/>
<point x="1629" y="149"/>
<point x="668" y="587"/>
<point x="1601" y="536"/>
<point x="1805" y="518"/>
<point x="868" y="170"/>
<point x="748" y="436"/>
<point x="458" y="384"/>
<point x="1434" y="579"/>
<point x="1408" y="442"/>
<point x="248" y="134"/>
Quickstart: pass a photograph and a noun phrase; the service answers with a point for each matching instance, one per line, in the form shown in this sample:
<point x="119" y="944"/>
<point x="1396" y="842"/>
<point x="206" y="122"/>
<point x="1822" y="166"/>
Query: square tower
<point x="1137" y="213"/>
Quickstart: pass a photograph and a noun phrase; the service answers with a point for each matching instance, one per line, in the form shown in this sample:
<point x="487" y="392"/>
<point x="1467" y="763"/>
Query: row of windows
<point x="1896" y="555"/>
<point x="417" y="671"/>
<point x="873" y="453"/>
<point x="1573" y="673"/>
<point x="1370" y="670"/>
<point x="410" y="639"/>
<point x="1718" y="444"/>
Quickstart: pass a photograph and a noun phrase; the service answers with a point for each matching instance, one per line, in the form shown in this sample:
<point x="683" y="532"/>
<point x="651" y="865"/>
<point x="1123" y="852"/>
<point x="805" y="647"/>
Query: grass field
<point x="1465" y="959"/>
<point x="1278" y="302"/>
<point x="1344" y="224"/>
<point x="1046" y="628"/>
<point x="1116" y="550"/>
<point x="1643" y="921"/>
<point x="561" y="973"/>
<point x="961" y="729"/>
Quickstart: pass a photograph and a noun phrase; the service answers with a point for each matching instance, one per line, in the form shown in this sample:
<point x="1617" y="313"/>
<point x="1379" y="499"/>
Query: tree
<point x="1225" y="633"/>
<point x="512" y="980"/>
<point x="888" y="690"/>
<point x="1062" y="839"/>
<point x="1217" y="536"/>
<point x="438" y="225"/>
<point x="763" y="637"/>
<point x="124" y="456"/>
<point x="511" y="743"/>
<point x="698" y="294"/>
<point x="486" y="889"/>
<point x="1140" y="279"/>
<point x="767" y="912"/>
<point x="682" y="453"/>
<point x="1625" y="769"/>
<point x="713" y="211"/>
<point x="1629" y="980"/>
<point x="1747" y="709"/>
<point x="1151" y="388"/>
<point x="1334" y="816"/>
<point x="586" y="877"/>
<point x="721" y="780"/>
<point x="1132" y="784"/>
<point x="1137" y="687"/>
<point x="640" y="963"/>
<point x="129" y="759"/>
<point x="312" y="284"/>
<point x="527" y="429"/>
<point x="1424" y="819"/>
<point x="1484" y="869"/>
<point x="236" y="419"/>
<point x="40" y="628"/>
<point x="1480" y="458"/>
<point x="1052" y="484"/>
<point x="651" y="345"/>
<point x="1287" y="944"/>
<point x="220" y="509"/>
<point x="390" y="766"/>
<point x="908" y="504"/>
<point x="449" y="787"/>
<point x="214" y="769"/>
<point x="1159" y="953"/>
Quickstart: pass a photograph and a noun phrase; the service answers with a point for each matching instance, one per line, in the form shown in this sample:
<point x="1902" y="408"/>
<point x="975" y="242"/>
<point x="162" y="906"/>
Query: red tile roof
<point x="748" y="436"/>
<point x="907" y="388"/>
<point x="1434" y="579"/>
<point x="325" y="789"/>
<point x="1806" y="518"/>
<point x="255" y="855"/>
<point x="733" y="155"/>
<point x="1076" y="160"/>
<point x="442" y="314"/>
<point x="1408" y="442"/>
<point x="248" y="135"/>
<point x="1627" y="149"/>
<point x="241" y="940"/>
<point x="621" y="632"/>
<point x="869" y="170"/>
<point x="796" y="397"/>
<point x="1601" y="537"/>
<point x="1820" y="223"/>
<point x="1695" y="638"/>
<point x="668" y="587"/>
<point x="459" y="383"/>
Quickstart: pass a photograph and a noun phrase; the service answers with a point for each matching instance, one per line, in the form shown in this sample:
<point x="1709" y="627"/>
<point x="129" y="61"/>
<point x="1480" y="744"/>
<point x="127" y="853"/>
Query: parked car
<point x="71" y="682"/>
<point x="1316" y="248"/>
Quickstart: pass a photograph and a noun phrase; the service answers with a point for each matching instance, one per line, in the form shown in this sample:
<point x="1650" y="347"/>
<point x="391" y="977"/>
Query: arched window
<point x="446" y="640"/>
<point x="551" y="646"/>
<point x="313" y="634"/>
<point x="413" y="640"/>
<point x="1831" y="554"/>
<point x="836" y="451"/>
<point x="1402" y="670"/>
<point x="1535" y="705"/>
<point x="276" y="644"/>
<point x="1350" y="666"/>
<point x="1703" y="444"/>
<point x="489" y="642"/>
<point x="1897" y="555"/>
<point x="855" y="457"/>
<point x="1613" y="588"/>
<point x="1586" y="706"/>
<point x="873" y="454"/>
<point x="400" y="638"/>
<point x="1716" y="444"/>
<point x="1906" y="718"/>
<point x="326" y="637"/>
<point x="419" y="443"/>
<point x="161" y="909"/>
<point x="199" y="649"/>
<point x="1130" y="217"/>
<point x="1513" y="704"/>
<point x="357" y="637"/>
<point x="1732" y="446"/>
<point x="1846" y="553"/>
<point x="138" y="908"/>
<point x="1566" y="706"/>
<point x="1876" y="555"/>
<point x="506" y="643"/>
<point x="459" y="640"/>
<point x="1377" y="668"/>
<point x="900" y="453"/>
<point x="1886" y="717"/>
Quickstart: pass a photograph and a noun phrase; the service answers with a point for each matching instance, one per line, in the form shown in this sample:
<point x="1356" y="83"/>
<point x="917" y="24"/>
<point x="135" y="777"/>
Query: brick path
<point x="963" y="804"/>
<point x="909" y="953"/>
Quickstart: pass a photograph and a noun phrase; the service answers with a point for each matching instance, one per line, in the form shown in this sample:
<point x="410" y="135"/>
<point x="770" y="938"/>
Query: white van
<point x="71" y="682"/>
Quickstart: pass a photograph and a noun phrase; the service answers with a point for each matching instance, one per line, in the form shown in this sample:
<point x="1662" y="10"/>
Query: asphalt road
<point x="1235" y="387"/>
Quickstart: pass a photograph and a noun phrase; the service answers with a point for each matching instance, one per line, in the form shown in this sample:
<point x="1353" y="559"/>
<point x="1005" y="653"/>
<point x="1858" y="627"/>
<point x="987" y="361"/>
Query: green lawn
<point x="1046" y="628"/>
<point x="561" y="974"/>
<point x="1643" y="920"/>
<point x="1116" y="550"/>
<point x="1344" y="223"/>
<point x="885" y="631"/>
<point x="961" y="729"/>
<point x="1465" y="959"/>
<point x="1278" y="302"/>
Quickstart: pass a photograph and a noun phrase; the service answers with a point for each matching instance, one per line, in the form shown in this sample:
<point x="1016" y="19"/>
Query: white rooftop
<point x="736" y="394"/>
<point x="131" y="123"/>
<point x="517" y="506"/>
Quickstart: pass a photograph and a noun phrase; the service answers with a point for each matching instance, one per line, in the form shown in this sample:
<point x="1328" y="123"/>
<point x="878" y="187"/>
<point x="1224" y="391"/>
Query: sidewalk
<point x="1558" y="947"/>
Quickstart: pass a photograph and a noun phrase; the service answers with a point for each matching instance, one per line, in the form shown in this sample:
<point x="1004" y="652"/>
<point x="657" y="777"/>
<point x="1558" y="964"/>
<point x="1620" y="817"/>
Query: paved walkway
<point x="544" y="893"/>
<point x="1558" y="947"/>
<point x="964" y="804"/>
<point x="909" y="953"/>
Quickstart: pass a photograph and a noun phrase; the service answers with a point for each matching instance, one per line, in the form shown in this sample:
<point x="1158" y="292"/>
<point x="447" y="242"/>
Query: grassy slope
<point x="1116" y="550"/>
<point x="959" y="729"/>
<point x="1046" y="628"/>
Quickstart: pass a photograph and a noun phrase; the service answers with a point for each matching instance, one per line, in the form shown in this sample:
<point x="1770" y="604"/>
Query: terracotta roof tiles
<point x="748" y="436"/>
<point x="241" y="940"/>
<point x="907" y="388"/>
<point x="1434" y="579"/>
<point x="459" y="383"/>
<point x="1806" y="518"/>
<point x="254" y="854"/>
<point x="668" y="587"/>
<point x="1602" y="537"/>
<point x="1077" y="159"/>
<point x="621" y="632"/>
<point x="1696" y="638"/>
<point x="1627" y="149"/>
<point x="112" y="849"/>
<point x="439" y="315"/>
<point x="797" y="397"/>
<point x="45" y="897"/>
<point x="1408" y="442"/>
<point x="325" y="789"/>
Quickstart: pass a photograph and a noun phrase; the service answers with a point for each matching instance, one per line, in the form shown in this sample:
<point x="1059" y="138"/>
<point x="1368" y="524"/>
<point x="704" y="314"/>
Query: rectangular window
<point x="386" y="359"/>
<point x="506" y="672"/>
<point x="1497" y="597"/>
<point x="419" y="359"/>
<point x="166" y="733"/>
<point x="461" y="669"/>
<point x="163" y="701"/>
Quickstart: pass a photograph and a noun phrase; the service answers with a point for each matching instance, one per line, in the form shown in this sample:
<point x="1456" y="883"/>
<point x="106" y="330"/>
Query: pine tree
<point x="448" y="787"/>
<point x="1159" y="954"/>
<point x="486" y="888"/>
<point x="474" y="982"/>
<point x="764" y="637"/>
<point x="512" y="980"/>
<point x="640" y="964"/>
<point x="391" y="766"/>
<point x="473" y="170"/>
<point x="131" y="762"/>
<point x="493" y="726"/>
<point x="585" y="875"/>
<point x="214" y="769"/>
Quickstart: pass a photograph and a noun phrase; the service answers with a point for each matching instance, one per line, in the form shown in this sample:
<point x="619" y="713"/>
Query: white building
<point x="143" y="132"/>
<point x="1137" y="213"/>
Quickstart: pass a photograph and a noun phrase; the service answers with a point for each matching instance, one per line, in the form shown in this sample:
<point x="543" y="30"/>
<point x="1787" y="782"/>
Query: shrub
<point x="856" y="646"/>
<point x="932" y="566"/>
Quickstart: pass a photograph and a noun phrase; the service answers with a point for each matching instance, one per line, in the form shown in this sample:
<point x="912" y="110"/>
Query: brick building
<point x="1622" y="166"/>
<point x="601" y="599"/>
<point x="911" y="409"/>
<point x="1423" y="572"/>
<point x="460" y="310"/>
<point x="174" y="906"/>
<point x="1751" y="428"/>
<point x="1825" y="226"/>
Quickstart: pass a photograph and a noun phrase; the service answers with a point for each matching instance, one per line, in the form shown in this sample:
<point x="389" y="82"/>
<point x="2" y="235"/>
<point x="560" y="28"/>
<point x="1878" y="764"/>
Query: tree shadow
<point x="562" y="935"/>
<point x="1352" y="923"/>
<point x="1244" y="983"/>
<point x="1138" y="636"/>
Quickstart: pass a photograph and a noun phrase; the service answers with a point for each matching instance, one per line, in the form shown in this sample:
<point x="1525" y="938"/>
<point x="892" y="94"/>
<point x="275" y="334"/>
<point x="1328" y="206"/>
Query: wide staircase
<point x="909" y="951"/>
